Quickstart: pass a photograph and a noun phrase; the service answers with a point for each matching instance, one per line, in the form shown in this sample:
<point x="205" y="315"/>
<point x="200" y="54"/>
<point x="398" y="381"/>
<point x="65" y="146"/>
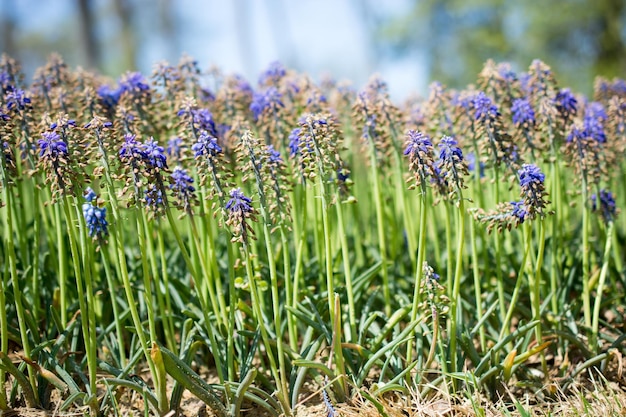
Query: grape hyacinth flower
<point x="595" y="115"/>
<point x="523" y="113"/>
<point x="131" y="149"/>
<point x="607" y="208"/>
<point x="268" y="99"/>
<point x="452" y="166"/>
<point x="51" y="146"/>
<point x="419" y="149"/>
<point x="294" y="141"/>
<point x="533" y="193"/>
<point x="17" y="100"/>
<point x="134" y="83"/>
<point x="518" y="211"/>
<point x="95" y="216"/>
<point x="154" y="199"/>
<point x="484" y="107"/>
<point x="154" y="154"/>
<point x="566" y="103"/>
<point x="174" y="148"/>
<point x="240" y="211"/>
<point x="182" y="189"/>
<point x="272" y="74"/>
<point x="109" y="97"/>
<point x="206" y="145"/>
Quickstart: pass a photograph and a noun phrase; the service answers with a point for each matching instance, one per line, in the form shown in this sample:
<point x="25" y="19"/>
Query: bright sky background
<point x="316" y="36"/>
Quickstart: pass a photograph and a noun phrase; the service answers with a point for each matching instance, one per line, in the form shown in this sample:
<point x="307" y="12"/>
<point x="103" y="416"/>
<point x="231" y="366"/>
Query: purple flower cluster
<point x="272" y="74"/>
<point x="595" y="115"/>
<point x="52" y="146"/>
<point x="531" y="181"/>
<point x="206" y="146"/>
<point x="154" y="154"/>
<point x="17" y="100"/>
<point x="566" y="103"/>
<point x="239" y="202"/>
<point x="95" y="217"/>
<point x="484" y="108"/>
<point x="202" y="119"/>
<point x="182" y="188"/>
<point x="449" y="151"/>
<point x="262" y="100"/>
<point x="606" y="205"/>
<point x="131" y="149"/>
<point x="417" y="142"/>
<point x="523" y="112"/>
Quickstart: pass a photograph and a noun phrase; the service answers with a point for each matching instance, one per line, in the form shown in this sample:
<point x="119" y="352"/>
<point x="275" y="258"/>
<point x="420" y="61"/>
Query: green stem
<point x="205" y="272"/>
<point x="535" y="284"/>
<point x="63" y="267"/>
<point x="112" y="284"/>
<point x="166" y="311"/>
<point x="455" y="310"/>
<point x="585" y="256"/>
<point x="203" y="304"/>
<point x="256" y="306"/>
<point x="595" y="346"/>
<point x="518" y="283"/>
<point x="380" y="224"/>
<point x="419" y="268"/>
<point x="83" y="303"/>
<point x="477" y="287"/>
<point x="345" y="253"/>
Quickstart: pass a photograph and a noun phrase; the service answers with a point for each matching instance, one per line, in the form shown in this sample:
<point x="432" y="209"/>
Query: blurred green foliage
<point x="581" y="38"/>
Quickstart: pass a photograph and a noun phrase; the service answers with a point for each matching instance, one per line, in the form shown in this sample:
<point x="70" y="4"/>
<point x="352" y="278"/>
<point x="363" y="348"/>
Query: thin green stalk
<point x="328" y="255"/>
<point x="83" y="304"/>
<point x="232" y="308"/>
<point x="518" y="283"/>
<point x="300" y="239"/>
<point x="419" y="268"/>
<point x="88" y="265"/>
<point x="203" y="304"/>
<point x="477" y="287"/>
<point x="345" y="252"/>
<point x="555" y="238"/>
<point x="145" y="247"/>
<point x="166" y="311"/>
<point x="455" y="305"/>
<point x="585" y="256"/>
<point x="112" y="284"/>
<point x="498" y="251"/>
<point x="63" y="267"/>
<point x="380" y="224"/>
<point x="130" y="297"/>
<point x="595" y="346"/>
<point x="4" y="330"/>
<point x="288" y="279"/>
<point x="449" y="269"/>
<point x="283" y="396"/>
<point x="209" y="277"/>
<point x="214" y="281"/>
<point x="535" y="285"/>
<point x="36" y="245"/>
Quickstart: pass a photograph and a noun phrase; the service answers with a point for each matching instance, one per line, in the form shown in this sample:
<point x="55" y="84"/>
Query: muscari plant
<point x="158" y="229"/>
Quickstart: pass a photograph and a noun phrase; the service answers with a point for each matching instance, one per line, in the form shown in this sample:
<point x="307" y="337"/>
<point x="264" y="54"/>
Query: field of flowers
<point x="306" y="242"/>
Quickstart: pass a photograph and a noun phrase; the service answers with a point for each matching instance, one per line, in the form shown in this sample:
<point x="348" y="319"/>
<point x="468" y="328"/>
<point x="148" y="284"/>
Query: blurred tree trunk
<point x="243" y="27"/>
<point x="168" y="28"/>
<point x="611" y="58"/>
<point x="88" y="35"/>
<point x="125" y="12"/>
<point x="7" y="31"/>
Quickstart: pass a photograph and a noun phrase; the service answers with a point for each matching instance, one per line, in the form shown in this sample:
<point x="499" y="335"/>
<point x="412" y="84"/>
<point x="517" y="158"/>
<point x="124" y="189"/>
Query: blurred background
<point x="409" y="42"/>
